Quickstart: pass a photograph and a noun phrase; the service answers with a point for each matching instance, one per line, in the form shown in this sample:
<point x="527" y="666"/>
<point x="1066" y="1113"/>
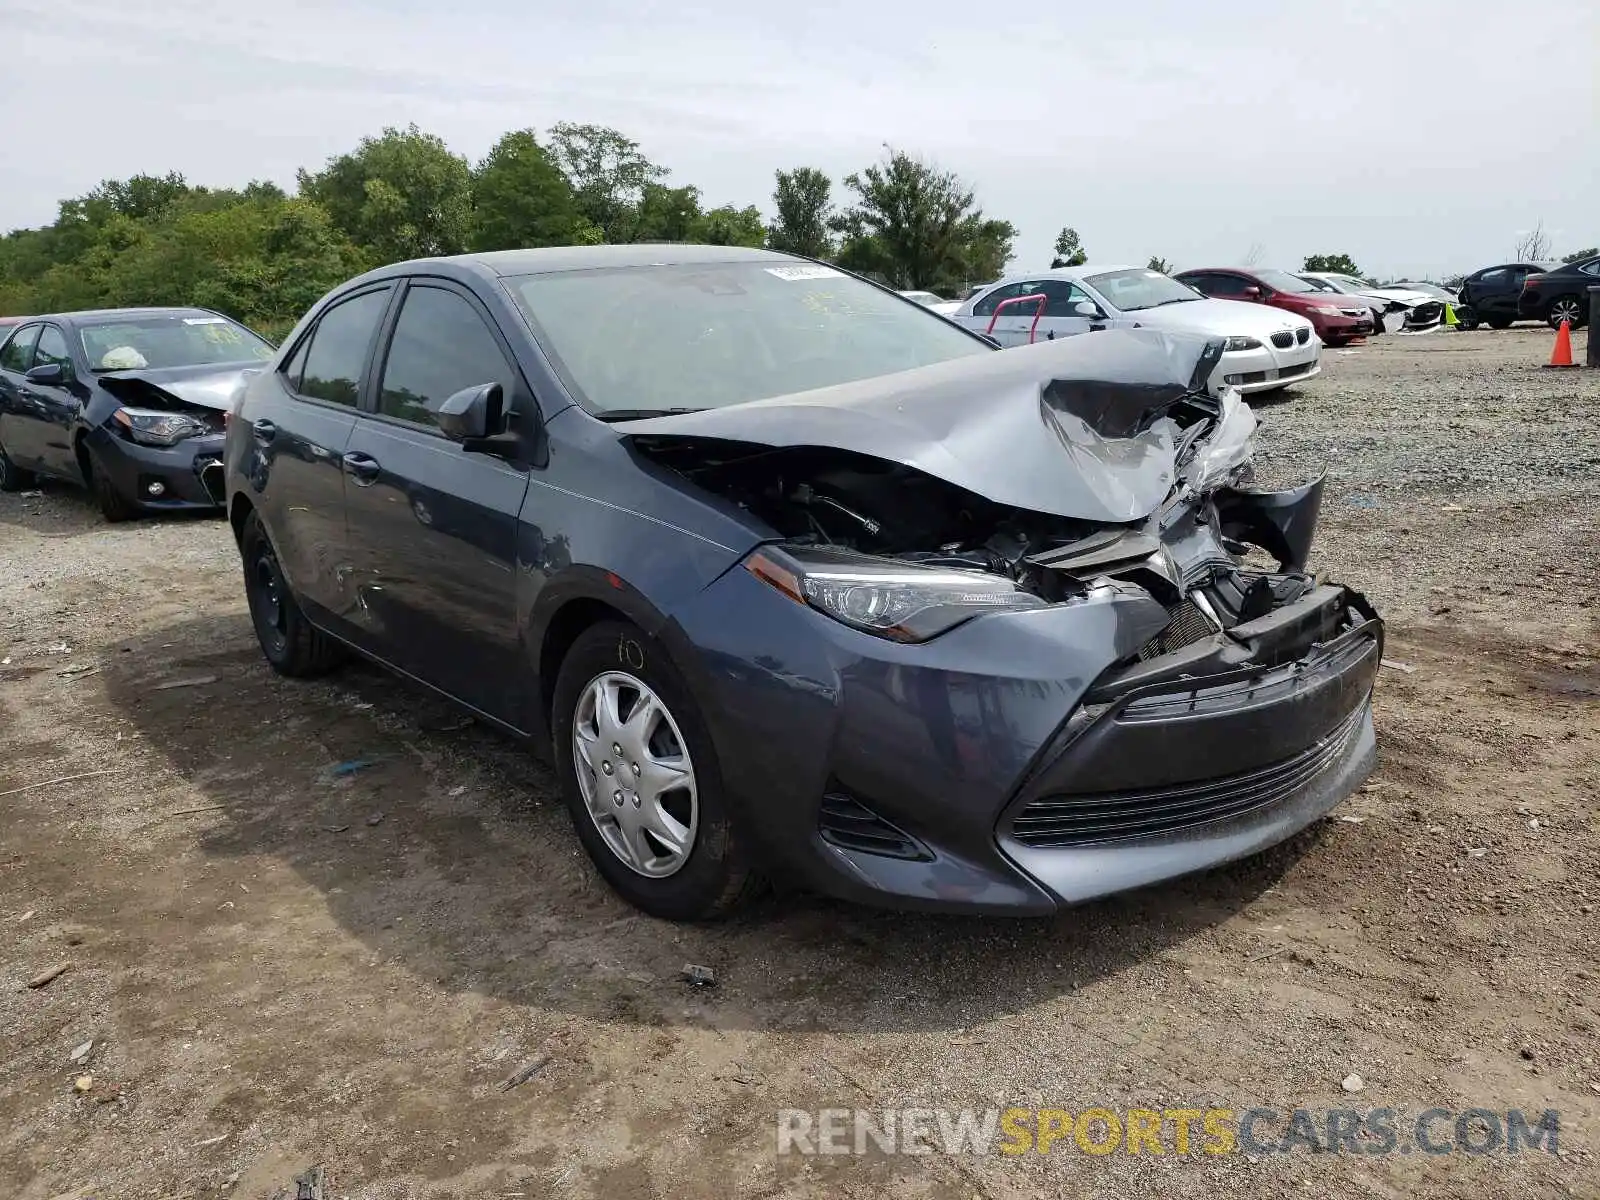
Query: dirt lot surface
<point x="280" y="965"/>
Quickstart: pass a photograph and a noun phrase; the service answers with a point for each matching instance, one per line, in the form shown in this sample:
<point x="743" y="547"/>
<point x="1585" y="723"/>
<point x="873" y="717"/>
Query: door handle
<point x="363" y="468"/>
<point x="264" y="430"/>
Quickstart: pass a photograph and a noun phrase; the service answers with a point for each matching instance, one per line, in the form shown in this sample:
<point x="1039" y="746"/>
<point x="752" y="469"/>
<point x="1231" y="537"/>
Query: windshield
<point x="159" y="341"/>
<point x="706" y="335"/>
<point x="1320" y="285"/>
<point x="1282" y="281"/>
<point x="1133" y="290"/>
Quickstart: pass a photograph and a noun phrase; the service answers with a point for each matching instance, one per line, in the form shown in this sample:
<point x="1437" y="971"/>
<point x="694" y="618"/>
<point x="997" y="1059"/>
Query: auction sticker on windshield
<point x="795" y="273"/>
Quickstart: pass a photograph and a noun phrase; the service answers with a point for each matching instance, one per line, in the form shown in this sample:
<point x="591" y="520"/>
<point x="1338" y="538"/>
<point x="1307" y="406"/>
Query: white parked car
<point x="934" y="301"/>
<point x="1265" y="349"/>
<point x="1397" y="307"/>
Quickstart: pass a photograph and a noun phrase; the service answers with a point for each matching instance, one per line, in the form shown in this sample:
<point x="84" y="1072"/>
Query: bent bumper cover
<point x="188" y="472"/>
<point x="950" y="742"/>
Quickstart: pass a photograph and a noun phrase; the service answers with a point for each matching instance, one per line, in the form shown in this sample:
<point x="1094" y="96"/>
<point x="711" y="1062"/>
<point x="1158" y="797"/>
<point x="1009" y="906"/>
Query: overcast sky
<point x="1419" y="137"/>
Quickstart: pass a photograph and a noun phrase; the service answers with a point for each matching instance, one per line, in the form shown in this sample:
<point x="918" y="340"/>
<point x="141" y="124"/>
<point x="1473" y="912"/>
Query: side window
<point x="18" y="354"/>
<point x="295" y="367"/>
<point x="52" y="348"/>
<point x="440" y="346"/>
<point x="338" y="352"/>
<point x="1591" y="267"/>
<point x="1201" y="283"/>
<point x="986" y="306"/>
<point x="1495" y="278"/>
<point x="1063" y="296"/>
<point x="1228" y="285"/>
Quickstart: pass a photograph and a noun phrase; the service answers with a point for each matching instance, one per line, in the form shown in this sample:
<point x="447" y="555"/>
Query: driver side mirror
<point x="47" y="373"/>
<point x="1087" y="308"/>
<point x="1251" y="292"/>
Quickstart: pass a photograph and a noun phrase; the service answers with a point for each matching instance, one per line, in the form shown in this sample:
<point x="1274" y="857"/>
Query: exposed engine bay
<point x="1190" y="555"/>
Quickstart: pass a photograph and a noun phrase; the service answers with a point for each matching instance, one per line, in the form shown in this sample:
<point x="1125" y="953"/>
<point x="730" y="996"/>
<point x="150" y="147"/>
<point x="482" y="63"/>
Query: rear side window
<point x="337" y="356"/>
<point x="440" y="346"/>
<point x="19" y="350"/>
<point x="1499" y="275"/>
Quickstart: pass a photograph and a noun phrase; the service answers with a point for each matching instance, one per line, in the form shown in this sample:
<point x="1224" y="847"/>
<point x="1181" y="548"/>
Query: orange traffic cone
<point x="1561" y="356"/>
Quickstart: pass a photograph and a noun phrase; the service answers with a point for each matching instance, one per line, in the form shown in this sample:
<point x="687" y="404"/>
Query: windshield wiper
<point x="639" y="414"/>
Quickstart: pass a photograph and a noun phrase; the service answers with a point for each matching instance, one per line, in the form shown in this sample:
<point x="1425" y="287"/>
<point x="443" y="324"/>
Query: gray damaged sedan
<point x="797" y="581"/>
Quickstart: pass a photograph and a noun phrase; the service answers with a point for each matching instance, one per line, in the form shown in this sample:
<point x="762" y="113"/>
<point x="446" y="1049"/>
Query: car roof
<point x="98" y="316"/>
<point x="589" y="258"/>
<point x="1073" y="273"/>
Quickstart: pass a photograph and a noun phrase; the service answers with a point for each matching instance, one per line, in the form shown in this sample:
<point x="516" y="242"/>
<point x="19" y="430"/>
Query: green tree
<point x="664" y="215"/>
<point x="1337" y="264"/>
<point x="1580" y="255"/>
<point x="1157" y="263"/>
<point x="805" y="207"/>
<point x="521" y="198"/>
<point x="1069" y="251"/>
<point x="730" y="226"/>
<point x="400" y="195"/>
<point x="916" y="226"/>
<point x="608" y="174"/>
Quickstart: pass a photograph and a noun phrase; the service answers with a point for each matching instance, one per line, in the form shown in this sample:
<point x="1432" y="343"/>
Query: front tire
<point x="291" y="644"/>
<point x="114" y="506"/>
<point x="12" y="477"/>
<point x="640" y="777"/>
<point x="1500" y="322"/>
<point x="1466" y="319"/>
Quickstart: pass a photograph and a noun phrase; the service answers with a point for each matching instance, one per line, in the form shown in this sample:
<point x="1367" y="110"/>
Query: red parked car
<point x="1337" y="319"/>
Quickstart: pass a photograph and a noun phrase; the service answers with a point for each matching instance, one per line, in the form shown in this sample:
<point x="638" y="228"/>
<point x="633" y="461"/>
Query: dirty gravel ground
<point x="281" y="967"/>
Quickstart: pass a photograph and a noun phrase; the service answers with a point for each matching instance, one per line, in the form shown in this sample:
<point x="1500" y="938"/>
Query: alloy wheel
<point x="1565" y="310"/>
<point x="635" y="774"/>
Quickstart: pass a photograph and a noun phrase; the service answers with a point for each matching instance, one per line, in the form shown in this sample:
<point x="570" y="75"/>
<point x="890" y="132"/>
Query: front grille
<point x="1060" y="820"/>
<point x="1302" y="335"/>
<point x="1283" y="339"/>
<point x="1357" y="312"/>
<point x="845" y="822"/>
<point x="1188" y="626"/>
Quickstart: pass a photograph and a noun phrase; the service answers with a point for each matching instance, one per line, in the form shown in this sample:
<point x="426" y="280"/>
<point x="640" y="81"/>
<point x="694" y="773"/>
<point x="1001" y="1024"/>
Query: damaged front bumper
<point x="187" y="476"/>
<point x="1026" y="761"/>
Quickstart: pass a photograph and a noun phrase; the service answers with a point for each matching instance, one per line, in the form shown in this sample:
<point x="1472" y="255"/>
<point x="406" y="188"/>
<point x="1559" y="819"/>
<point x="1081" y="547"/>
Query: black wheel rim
<point x="268" y="602"/>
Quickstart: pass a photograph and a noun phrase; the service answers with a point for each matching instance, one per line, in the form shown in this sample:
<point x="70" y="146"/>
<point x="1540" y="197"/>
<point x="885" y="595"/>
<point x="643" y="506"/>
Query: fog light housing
<point x="155" y="488"/>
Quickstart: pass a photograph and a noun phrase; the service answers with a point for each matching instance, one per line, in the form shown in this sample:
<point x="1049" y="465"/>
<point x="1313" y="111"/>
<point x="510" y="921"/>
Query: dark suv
<point x="1489" y="296"/>
<point x="1560" y="294"/>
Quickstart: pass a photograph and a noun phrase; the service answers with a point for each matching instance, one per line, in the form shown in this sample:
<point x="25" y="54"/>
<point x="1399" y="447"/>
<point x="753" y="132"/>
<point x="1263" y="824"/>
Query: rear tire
<point x="1569" y="308"/>
<point x="1500" y="322"/>
<point x="1466" y="319"/>
<point x="114" y="506"/>
<point x="291" y="644"/>
<point x="713" y="875"/>
<point x="12" y="477"/>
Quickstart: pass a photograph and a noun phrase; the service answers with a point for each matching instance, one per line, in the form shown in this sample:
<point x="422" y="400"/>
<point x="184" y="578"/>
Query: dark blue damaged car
<point x="797" y="582"/>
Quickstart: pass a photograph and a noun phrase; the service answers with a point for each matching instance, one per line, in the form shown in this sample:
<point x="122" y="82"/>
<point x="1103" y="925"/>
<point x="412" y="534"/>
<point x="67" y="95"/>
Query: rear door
<point x="20" y="415"/>
<point x="59" y="403"/>
<point x="300" y="419"/>
<point x="433" y="529"/>
<point x="1011" y="323"/>
<point x="1492" y="294"/>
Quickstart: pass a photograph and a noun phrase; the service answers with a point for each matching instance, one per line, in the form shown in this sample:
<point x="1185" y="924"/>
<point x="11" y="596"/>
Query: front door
<point x="432" y="528"/>
<point x="21" y="416"/>
<point x="59" y="404"/>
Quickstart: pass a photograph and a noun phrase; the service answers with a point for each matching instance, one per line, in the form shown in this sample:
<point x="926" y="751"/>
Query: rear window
<point x="158" y="341"/>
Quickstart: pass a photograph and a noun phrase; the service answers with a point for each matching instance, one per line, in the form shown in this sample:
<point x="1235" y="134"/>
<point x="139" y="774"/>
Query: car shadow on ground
<point x="445" y="847"/>
<point x="53" y="509"/>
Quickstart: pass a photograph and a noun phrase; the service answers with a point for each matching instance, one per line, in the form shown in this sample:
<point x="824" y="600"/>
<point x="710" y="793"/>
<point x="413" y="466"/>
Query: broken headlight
<point x="895" y="600"/>
<point x="1241" y="343"/>
<point x="153" y="427"/>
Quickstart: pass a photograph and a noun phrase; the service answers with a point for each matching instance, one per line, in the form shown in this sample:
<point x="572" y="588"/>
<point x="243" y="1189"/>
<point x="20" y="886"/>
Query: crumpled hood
<point x="209" y="386"/>
<point x="1070" y="427"/>
<point x="1403" y="295"/>
<point x="1220" y="318"/>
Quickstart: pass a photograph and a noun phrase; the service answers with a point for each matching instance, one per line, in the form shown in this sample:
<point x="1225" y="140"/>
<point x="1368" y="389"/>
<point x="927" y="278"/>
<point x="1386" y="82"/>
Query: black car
<point x="1490" y="296"/>
<point x="796" y="579"/>
<point x="1560" y="294"/>
<point x="127" y="402"/>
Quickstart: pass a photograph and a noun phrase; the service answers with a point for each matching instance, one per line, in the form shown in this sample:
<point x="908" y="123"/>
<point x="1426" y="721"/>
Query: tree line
<point x="264" y="255"/>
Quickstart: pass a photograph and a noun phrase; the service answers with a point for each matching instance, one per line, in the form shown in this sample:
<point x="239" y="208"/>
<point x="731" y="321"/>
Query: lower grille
<point x="1188" y="626"/>
<point x="847" y="823"/>
<point x="1059" y="820"/>
<point x="1283" y="339"/>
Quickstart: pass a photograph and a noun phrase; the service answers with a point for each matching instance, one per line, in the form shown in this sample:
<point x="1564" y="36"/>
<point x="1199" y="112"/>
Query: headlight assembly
<point x="903" y="602"/>
<point x="1326" y="310"/>
<point x="152" y="427"/>
<point x="1241" y="343"/>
